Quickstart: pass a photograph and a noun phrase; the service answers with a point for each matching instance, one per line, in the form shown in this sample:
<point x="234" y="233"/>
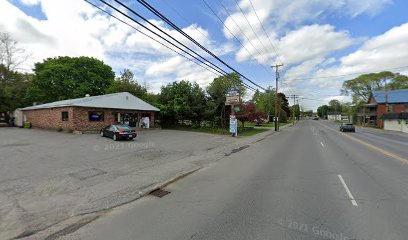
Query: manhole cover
<point x="159" y="193"/>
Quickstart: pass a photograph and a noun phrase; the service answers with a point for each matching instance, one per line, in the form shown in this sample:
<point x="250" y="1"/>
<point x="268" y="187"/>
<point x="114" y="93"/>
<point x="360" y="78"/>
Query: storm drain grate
<point x="159" y="193"/>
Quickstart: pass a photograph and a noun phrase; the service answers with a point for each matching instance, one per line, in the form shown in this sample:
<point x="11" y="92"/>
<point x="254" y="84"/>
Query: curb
<point x="61" y="229"/>
<point x="163" y="184"/>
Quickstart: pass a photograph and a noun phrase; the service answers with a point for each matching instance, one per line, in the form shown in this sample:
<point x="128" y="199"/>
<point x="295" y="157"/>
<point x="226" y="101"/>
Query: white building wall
<point x="393" y="124"/>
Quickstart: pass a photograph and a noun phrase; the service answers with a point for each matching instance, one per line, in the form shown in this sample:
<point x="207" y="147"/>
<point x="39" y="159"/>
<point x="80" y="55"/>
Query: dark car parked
<point x="347" y="127"/>
<point x="117" y="132"/>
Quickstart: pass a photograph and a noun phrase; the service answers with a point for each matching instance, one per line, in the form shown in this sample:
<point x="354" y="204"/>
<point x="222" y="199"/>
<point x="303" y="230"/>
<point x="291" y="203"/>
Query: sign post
<point x="232" y="98"/>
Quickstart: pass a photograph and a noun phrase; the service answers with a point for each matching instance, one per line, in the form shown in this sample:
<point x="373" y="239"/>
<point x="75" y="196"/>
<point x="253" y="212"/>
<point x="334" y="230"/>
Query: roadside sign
<point x="233" y="125"/>
<point x="232" y="96"/>
<point x="232" y="100"/>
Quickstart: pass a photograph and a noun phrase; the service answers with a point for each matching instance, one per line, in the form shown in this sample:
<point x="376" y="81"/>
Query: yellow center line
<point x="385" y="152"/>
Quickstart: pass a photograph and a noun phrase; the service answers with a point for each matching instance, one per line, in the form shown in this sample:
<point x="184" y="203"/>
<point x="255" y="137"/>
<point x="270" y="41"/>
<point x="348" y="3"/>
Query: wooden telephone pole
<point x="276" y="95"/>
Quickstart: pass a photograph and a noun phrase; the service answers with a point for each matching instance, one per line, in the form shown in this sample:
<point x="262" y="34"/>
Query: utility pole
<point x="293" y="108"/>
<point x="276" y="95"/>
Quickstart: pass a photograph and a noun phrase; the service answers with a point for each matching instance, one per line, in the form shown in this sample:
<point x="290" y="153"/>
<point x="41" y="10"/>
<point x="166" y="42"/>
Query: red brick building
<point x="382" y="103"/>
<point x="90" y="113"/>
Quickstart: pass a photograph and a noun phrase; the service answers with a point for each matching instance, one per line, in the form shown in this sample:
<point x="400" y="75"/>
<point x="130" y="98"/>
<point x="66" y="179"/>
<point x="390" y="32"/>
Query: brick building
<point x="383" y="103"/>
<point x="90" y="113"/>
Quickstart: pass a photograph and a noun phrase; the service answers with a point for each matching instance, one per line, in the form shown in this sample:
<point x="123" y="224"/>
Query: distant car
<point x="118" y="132"/>
<point x="315" y="118"/>
<point x="347" y="127"/>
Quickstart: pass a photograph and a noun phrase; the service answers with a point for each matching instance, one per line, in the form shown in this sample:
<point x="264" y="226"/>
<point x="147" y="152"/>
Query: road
<point x="307" y="182"/>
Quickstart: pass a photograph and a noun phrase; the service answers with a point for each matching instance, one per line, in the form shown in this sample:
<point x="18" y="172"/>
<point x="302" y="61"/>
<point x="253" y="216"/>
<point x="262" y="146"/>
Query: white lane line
<point x="353" y="201"/>
<point x="321" y="143"/>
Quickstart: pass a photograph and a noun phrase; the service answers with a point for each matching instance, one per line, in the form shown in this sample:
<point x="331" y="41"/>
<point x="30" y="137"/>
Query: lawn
<point x="268" y="125"/>
<point x="248" y="131"/>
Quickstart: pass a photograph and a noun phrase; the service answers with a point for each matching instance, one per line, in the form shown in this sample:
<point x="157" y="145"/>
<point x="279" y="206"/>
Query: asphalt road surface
<point x="307" y="182"/>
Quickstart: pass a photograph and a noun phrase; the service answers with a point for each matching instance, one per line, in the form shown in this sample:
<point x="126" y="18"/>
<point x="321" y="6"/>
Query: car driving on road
<point x="118" y="132"/>
<point x="347" y="127"/>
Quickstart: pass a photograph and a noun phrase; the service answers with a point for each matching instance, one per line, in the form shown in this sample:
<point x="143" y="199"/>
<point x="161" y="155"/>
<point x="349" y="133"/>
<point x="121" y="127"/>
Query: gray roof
<point x="122" y="100"/>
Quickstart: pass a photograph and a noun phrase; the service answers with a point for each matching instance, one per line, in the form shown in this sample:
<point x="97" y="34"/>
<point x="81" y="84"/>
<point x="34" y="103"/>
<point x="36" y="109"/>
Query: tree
<point x="13" y="89"/>
<point x="265" y="102"/>
<point x="295" y="110"/>
<point x="248" y="113"/>
<point x="180" y="101"/>
<point x="284" y="111"/>
<point x="335" y="105"/>
<point x="217" y="90"/>
<point x="322" y="111"/>
<point x="11" y="54"/>
<point x="13" y="85"/>
<point x="65" y="77"/>
<point x="361" y="87"/>
<point x="127" y="83"/>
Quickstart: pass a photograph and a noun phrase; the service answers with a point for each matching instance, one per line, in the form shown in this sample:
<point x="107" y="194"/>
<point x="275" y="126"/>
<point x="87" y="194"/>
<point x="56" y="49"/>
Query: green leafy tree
<point x="265" y="101"/>
<point x="180" y="101"/>
<point x="322" y="111"/>
<point x="361" y="87"/>
<point x="335" y="105"/>
<point x="217" y="91"/>
<point x="13" y="89"/>
<point x="127" y="83"/>
<point x="70" y="77"/>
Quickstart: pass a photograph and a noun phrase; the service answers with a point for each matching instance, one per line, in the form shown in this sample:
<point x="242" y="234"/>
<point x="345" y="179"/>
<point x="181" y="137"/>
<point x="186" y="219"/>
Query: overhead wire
<point x="250" y="25"/>
<point x="162" y="17"/>
<point x="207" y="68"/>
<point x="264" y="31"/>
<point x="229" y="30"/>
<point x="146" y="35"/>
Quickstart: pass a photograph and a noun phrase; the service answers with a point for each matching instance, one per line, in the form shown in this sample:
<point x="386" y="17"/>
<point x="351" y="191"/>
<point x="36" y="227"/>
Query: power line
<point x="243" y="14"/>
<point x="226" y="27"/>
<point x="150" y="37"/>
<point x="161" y="16"/>
<point x="245" y="85"/>
<point x="240" y="29"/>
<point x="220" y="70"/>
<point x="264" y="31"/>
<point x="185" y="19"/>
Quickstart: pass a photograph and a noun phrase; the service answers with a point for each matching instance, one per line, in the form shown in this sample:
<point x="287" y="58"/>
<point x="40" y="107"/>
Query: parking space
<point x="45" y="176"/>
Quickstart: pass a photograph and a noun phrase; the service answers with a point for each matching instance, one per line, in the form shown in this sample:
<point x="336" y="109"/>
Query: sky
<point x="320" y="43"/>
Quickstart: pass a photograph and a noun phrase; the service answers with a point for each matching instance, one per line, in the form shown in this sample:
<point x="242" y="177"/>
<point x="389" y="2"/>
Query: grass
<point x="252" y="132"/>
<point x="268" y="125"/>
<point x="248" y="131"/>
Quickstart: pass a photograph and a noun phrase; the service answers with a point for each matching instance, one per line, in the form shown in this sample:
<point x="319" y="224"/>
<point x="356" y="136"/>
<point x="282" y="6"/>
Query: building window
<point x="406" y="107"/>
<point x="64" y="116"/>
<point x="95" y="116"/>
<point x="390" y="108"/>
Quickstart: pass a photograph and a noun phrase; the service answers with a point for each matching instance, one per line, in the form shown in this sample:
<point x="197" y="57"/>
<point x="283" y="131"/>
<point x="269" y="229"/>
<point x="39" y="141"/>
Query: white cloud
<point x="181" y="70"/>
<point x="282" y="18"/>
<point x="313" y="41"/>
<point x="386" y="51"/>
<point x="30" y="2"/>
<point x="74" y="28"/>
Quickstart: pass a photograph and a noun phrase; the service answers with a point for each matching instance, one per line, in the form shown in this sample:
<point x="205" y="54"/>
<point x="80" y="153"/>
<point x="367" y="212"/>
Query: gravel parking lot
<point x="48" y="176"/>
